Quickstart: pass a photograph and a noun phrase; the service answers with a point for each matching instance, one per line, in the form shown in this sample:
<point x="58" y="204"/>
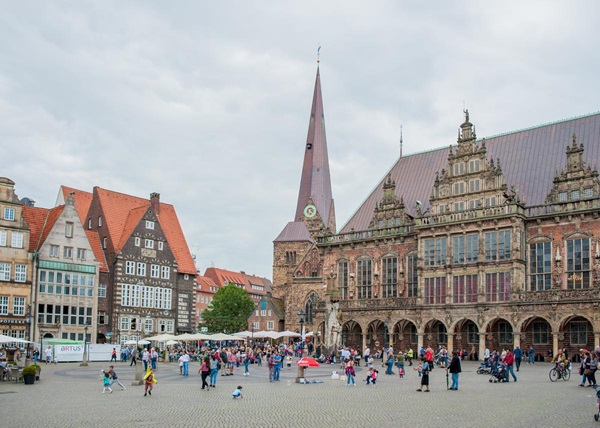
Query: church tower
<point x="296" y="258"/>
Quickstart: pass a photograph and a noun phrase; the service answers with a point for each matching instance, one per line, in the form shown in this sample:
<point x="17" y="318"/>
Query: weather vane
<point x="319" y="54"/>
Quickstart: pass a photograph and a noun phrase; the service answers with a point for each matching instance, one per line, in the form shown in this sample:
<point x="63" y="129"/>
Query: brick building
<point x="490" y="242"/>
<point x="150" y="282"/>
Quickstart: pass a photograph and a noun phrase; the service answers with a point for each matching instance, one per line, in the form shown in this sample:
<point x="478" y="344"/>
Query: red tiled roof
<point x="117" y="209"/>
<point x="223" y="277"/>
<point x="135" y="215"/>
<point x="83" y="200"/>
<point x="41" y="221"/>
<point x="96" y="245"/>
<point x="36" y="219"/>
<point x="205" y="282"/>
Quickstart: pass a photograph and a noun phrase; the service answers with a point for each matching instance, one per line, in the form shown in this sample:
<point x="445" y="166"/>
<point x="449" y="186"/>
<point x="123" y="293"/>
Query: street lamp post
<point x="42" y="351"/>
<point x="301" y="369"/>
<point x="84" y="363"/>
<point x="139" y="371"/>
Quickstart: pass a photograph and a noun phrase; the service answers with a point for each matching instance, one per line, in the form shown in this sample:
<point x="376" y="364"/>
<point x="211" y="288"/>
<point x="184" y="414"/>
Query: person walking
<point x="277" y="360"/>
<point x="454" y="369"/>
<point x="146" y="358"/>
<point x="531" y="359"/>
<point x="214" y="370"/>
<point x="271" y="366"/>
<point x="48" y="353"/>
<point x="114" y="378"/>
<point x="508" y="361"/>
<point x="149" y="381"/>
<point x="134" y="354"/>
<point x="409" y="356"/>
<point x="518" y="356"/>
<point x="204" y="371"/>
<point x="153" y="358"/>
<point x="113" y="355"/>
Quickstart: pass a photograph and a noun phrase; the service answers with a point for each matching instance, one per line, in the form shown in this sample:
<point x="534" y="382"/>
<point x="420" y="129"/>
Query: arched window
<point x="309" y="307"/>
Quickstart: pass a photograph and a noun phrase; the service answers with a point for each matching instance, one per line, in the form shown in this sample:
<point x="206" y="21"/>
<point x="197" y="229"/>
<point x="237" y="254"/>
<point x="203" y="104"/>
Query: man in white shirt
<point x="186" y="363"/>
<point x="146" y="359"/>
<point x="48" y="353"/>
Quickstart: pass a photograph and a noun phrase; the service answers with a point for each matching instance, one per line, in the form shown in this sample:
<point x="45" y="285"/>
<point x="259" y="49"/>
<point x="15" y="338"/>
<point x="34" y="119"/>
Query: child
<point x="288" y="361"/>
<point x="149" y="381"/>
<point x="401" y="372"/>
<point x="419" y="369"/>
<point x="238" y="392"/>
<point x="114" y="377"/>
<point x="372" y="377"/>
<point x="56" y="360"/>
<point x="106" y="383"/>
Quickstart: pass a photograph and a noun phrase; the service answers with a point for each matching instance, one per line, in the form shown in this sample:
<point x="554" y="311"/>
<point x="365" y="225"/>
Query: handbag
<point x="218" y="365"/>
<point x="587" y="372"/>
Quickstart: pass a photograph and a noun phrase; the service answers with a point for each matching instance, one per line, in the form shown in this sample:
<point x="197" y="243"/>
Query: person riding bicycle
<point x="560" y="362"/>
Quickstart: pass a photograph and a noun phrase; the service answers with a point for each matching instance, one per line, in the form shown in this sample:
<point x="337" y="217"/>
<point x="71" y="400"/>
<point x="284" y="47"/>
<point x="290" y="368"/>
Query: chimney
<point x="155" y="202"/>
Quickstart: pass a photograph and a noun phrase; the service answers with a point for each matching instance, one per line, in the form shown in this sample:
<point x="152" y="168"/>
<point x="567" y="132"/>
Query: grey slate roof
<point x="294" y="231"/>
<point x="529" y="159"/>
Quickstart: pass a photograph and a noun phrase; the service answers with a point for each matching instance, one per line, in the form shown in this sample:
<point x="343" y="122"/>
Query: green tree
<point x="229" y="310"/>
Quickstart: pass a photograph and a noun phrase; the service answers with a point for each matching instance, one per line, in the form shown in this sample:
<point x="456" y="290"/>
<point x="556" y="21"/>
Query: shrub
<point x="29" y="371"/>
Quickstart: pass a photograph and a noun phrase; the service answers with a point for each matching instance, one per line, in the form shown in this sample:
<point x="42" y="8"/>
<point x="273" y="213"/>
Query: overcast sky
<point x="207" y="102"/>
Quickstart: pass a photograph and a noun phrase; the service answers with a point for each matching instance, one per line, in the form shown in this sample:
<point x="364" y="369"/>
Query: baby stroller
<point x="498" y="374"/>
<point x="485" y="367"/>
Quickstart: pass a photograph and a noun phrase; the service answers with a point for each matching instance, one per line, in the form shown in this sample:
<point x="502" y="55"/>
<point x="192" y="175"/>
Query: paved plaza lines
<point x="69" y="396"/>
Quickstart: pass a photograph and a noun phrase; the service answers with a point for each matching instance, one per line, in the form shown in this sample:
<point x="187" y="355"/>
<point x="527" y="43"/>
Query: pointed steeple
<point x="315" y="184"/>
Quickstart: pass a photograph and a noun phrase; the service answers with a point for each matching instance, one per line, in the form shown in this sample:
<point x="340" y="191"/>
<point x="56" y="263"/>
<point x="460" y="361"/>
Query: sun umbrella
<point x="137" y="342"/>
<point x="243" y="334"/>
<point x="269" y="334"/>
<point x="9" y="339"/>
<point x="185" y="337"/>
<point x="172" y="342"/>
<point x="307" y="362"/>
<point x="161" y="338"/>
<point x="222" y="336"/>
<point x="288" y="333"/>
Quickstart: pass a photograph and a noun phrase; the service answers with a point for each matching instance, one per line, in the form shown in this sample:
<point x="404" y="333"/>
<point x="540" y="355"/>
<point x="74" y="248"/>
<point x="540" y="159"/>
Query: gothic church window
<point x="343" y="279"/>
<point x="308" y="307"/>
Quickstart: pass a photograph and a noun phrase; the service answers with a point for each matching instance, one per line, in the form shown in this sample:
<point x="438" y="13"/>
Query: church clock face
<point x="310" y="211"/>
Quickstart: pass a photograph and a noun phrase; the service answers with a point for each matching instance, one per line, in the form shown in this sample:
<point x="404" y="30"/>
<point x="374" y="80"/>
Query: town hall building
<point x="485" y="243"/>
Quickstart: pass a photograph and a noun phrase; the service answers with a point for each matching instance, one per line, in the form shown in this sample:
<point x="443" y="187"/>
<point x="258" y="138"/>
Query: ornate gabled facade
<point x="15" y="264"/>
<point x="476" y="245"/>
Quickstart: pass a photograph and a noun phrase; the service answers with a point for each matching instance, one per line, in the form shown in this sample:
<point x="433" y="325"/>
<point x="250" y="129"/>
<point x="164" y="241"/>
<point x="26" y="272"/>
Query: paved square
<point x="70" y="396"/>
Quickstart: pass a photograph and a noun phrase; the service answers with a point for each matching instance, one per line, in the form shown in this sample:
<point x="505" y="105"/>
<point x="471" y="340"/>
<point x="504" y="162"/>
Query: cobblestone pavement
<point x="70" y="396"/>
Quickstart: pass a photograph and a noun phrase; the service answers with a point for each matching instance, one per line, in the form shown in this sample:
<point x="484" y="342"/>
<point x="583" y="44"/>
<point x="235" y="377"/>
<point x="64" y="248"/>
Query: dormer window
<point x="474" y="186"/>
<point x="575" y="195"/>
<point x="562" y="197"/>
<point x="100" y="221"/>
<point x="588" y="193"/>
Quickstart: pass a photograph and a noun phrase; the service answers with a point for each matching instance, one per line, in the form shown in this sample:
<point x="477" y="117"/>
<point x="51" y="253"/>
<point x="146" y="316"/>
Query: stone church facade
<point x="487" y="243"/>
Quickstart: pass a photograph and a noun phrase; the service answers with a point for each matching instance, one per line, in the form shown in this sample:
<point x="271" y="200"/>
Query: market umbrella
<point x="288" y="333"/>
<point x="307" y="362"/>
<point x="244" y="334"/>
<point x="161" y="338"/>
<point x="172" y="342"/>
<point x="269" y="334"/>
<point x="185" y="337"/>
<point x="9" y="339"/>
<point x="222" y="336"/>
<point x="138" y="342"/>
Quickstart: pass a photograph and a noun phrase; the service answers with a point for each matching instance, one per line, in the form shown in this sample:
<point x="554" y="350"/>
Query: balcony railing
<point x="467" y="215"/>
<point x="367" y="234"/>
<point x="565" y="207"/>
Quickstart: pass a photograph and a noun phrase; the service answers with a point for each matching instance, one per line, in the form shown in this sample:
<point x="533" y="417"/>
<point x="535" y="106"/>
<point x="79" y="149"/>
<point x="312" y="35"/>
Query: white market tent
<point x="10" y="339"/>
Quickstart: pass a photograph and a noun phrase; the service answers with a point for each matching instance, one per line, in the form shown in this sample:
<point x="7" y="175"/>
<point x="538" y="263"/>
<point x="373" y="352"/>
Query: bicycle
<point x="558" y="372"/>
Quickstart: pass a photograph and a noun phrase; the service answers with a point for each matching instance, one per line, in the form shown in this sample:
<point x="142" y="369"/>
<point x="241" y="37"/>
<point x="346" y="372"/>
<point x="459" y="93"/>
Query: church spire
<point x="315" y="184"/>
